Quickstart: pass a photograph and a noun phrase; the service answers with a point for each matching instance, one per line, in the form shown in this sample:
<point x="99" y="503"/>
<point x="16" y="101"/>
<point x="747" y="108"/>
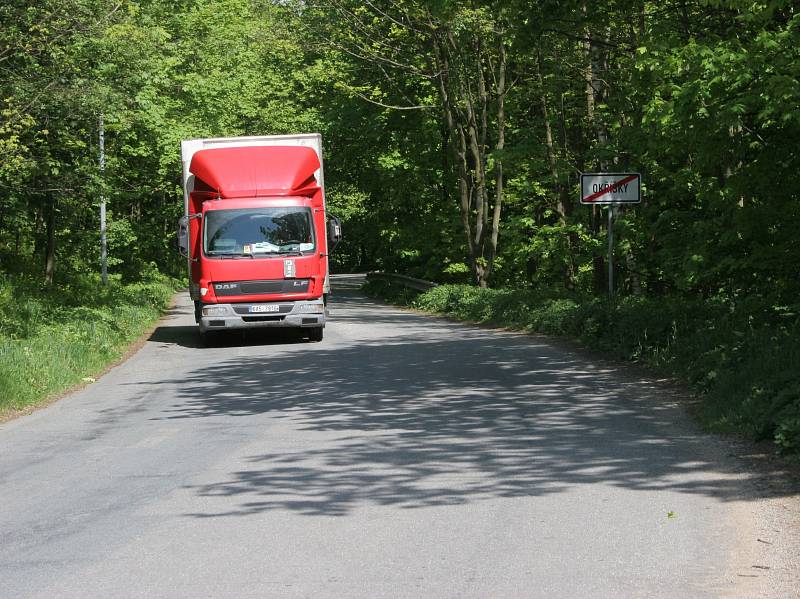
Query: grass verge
<point x="742" y="360"/>
<point x="52" y="339"/>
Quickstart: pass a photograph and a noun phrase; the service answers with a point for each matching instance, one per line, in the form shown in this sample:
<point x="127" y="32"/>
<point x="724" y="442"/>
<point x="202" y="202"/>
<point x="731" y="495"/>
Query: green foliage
<point x="92" y="325"/>
<point x="701" y="98"/>
<point x="153" y="74"/>
<point x="389" y="291"/>
<point x="520" y="309"/>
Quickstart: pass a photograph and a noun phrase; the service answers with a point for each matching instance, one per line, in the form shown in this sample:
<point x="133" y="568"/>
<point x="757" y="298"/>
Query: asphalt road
<point x="404" y="456"/>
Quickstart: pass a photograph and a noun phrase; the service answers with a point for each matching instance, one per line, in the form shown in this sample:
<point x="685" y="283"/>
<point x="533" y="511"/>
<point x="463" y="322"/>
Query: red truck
<point x="255" y="232"/>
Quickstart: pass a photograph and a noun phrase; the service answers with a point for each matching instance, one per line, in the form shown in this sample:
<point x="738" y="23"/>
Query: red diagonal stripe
<point x="608" y="189"/>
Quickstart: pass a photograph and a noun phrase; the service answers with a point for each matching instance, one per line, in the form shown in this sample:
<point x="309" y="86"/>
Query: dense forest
<point x="455" y="133"/>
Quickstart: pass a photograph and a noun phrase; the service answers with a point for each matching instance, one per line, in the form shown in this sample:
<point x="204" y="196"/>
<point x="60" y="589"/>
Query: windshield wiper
<point x="228" y="255"/>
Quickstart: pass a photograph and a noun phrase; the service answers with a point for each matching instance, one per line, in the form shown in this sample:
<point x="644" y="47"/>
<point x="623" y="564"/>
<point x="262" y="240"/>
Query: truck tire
<point x="315" y="334"/>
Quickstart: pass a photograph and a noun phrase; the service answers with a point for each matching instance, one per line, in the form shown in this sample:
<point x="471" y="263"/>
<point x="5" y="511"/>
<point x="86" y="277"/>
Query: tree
<point x="50" y="102"/>
<point x="451" y="57"/>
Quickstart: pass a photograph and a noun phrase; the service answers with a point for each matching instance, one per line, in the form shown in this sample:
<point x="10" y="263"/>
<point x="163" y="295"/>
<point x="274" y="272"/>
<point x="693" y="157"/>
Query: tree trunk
<point x="50" y="254"/>
<point x="562" y="190"/>
<point x="498" y="163"/>
<point x="460" y="148"/>
<point x="471" y="83"/>
<point x="593" y="92"/>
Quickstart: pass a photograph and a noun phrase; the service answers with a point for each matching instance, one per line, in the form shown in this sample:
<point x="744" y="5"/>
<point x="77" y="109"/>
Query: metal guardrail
<point x="410" y="282"/>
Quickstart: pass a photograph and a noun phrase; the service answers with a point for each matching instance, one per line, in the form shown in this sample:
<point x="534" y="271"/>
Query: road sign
<point x="611" y="188"/>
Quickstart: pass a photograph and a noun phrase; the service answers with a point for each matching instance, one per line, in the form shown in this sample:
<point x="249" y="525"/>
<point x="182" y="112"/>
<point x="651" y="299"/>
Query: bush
<point x="52" y="338"/>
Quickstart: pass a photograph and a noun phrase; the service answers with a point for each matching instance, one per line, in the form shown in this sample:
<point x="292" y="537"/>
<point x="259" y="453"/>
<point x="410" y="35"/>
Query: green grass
<point x="52" y="339"/>
<point x="743" y="361"/>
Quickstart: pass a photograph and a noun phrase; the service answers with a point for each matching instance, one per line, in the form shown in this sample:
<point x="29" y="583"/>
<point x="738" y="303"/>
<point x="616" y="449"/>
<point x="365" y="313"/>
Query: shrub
<point x="92" y="324"/>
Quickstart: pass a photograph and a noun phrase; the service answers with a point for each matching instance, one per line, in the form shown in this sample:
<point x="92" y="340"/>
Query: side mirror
<point x="183" y="235"/>
<point x="334" y="232"/>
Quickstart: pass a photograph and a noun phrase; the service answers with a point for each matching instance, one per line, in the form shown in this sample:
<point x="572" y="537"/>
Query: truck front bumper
<point x="297" y="314"/>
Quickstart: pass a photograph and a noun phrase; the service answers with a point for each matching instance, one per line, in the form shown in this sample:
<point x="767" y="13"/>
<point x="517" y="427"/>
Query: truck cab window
<point x="258" y="231"/>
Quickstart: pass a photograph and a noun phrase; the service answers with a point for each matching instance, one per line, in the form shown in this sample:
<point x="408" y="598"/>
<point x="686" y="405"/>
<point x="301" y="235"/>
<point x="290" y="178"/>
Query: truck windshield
<point x="254" y="231"/>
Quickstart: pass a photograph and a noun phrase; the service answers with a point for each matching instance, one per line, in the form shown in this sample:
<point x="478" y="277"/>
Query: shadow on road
<point x="189" y="336"/>
<point x="458" y="417"/>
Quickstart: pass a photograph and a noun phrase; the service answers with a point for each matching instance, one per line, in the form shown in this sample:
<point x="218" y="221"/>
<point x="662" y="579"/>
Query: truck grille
<point x="242" y="309"/>
<point x="261" y="287"/>
<point x="261" y="318"/>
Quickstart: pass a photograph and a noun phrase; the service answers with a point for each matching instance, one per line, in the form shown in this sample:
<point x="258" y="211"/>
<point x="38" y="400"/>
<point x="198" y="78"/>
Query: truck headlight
<point x="312" y="308"/>
<point x="215" y="311"/>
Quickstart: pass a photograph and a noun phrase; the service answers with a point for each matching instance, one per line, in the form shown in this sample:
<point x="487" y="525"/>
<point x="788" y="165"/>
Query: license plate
<point x="265" y="308"/>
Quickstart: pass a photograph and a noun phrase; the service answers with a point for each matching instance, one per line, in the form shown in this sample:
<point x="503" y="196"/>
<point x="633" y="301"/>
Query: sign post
<point x="611" y="251"/>
<point x="103" y="243"/>
<point x="611" y="189"/>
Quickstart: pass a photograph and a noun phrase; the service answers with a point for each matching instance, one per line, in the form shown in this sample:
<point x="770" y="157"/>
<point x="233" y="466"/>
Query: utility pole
<point x="103" y="245"/>
<point x="611" y="251"/>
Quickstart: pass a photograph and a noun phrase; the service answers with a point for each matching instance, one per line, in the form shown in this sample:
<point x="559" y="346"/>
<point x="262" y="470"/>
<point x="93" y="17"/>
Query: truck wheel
<point x="315" y="334"/>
